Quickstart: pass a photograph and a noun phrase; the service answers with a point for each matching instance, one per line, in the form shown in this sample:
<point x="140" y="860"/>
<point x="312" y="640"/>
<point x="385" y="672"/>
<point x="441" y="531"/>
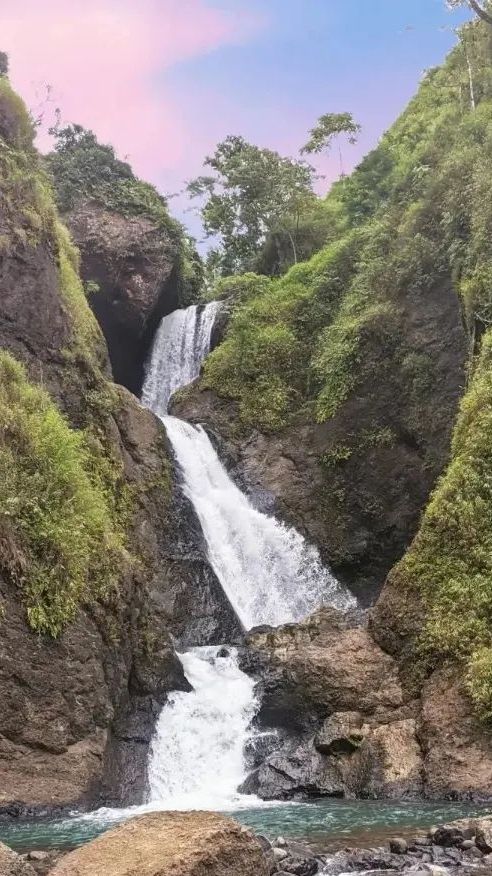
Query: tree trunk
<point x="482" y="13"/>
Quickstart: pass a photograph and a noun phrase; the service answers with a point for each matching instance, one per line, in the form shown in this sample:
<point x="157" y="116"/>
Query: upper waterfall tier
<point x="181" y="343"/>
<point x="269" y="573"/>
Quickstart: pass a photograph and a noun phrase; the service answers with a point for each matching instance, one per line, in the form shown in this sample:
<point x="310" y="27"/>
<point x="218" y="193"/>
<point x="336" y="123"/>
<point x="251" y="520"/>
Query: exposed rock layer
<point x="346" y="726"/>
<point x="132" y="266"/>
<point x="170" y="844"/>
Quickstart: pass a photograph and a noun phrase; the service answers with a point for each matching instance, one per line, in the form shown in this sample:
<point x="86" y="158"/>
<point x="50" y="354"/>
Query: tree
<point x="253" y="192"/>
<point x="475" y="6"/>
<point x="4" y="64"/>
<point x="328" y="128"/>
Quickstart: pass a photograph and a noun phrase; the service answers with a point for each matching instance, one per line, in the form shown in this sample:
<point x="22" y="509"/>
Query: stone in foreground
<point x="170" y="844"/>
<point x="12" y="864"/>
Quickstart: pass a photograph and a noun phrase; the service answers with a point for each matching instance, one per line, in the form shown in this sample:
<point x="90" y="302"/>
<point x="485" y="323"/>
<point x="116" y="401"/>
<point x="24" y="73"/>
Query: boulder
<point x="170" y="844"/>
<point x="12" y="864"/>
<point x="341" y="733"/>
<point x="483" y="834"/>
<point x="453" y="834"/>
<point x="325" y="664"/>
<point x="296" y="771"/>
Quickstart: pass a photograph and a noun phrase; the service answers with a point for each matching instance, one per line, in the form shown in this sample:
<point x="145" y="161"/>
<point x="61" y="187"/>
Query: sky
<point x="165" y="80"/>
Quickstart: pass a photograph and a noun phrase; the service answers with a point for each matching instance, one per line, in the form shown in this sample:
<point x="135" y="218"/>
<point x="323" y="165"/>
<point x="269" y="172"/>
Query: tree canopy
<point x="252" y="192"/>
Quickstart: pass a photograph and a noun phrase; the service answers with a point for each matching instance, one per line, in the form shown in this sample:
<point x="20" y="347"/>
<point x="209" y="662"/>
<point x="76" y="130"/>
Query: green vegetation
<point x="328" y="129"/>
<point x="412" y="217"/>
<point x="253" y="192"/>
<point x="60" y="538"/>
<point x="450" y="561"/>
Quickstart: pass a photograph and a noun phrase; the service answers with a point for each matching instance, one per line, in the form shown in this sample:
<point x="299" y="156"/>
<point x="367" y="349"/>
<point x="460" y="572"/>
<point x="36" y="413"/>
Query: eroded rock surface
<point x="171" y="844"/>
<point x="131" y="264"/>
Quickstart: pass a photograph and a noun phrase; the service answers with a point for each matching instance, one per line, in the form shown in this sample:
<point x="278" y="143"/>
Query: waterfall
<point x="197" y="759"/>
<point x="267" y="570"/>
<point x="269" y="573"/>
<point x="181" y="343"/>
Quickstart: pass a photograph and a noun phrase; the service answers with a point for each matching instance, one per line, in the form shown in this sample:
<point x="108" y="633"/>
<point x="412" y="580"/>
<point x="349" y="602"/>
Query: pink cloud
<point x="105" y="62"/>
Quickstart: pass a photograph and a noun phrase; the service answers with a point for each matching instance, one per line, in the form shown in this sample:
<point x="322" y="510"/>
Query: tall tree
<point x="330" y="127"/>
<point x="482" y="10"/>
<point x="252" y="192"/>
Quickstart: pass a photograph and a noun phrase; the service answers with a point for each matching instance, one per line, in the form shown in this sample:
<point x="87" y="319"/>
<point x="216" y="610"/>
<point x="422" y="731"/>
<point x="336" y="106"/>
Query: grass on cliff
<point x="30" y="219"/>
<point x="450" y="560"/>
<point x="59" y="541"/>
<point x="415" y="215"/>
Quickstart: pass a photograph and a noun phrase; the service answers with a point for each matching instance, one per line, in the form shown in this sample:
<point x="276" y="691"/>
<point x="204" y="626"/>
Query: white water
<point x="267" y="570"/>
<point x="181" y="343"/>
<point x="197" y="756"/>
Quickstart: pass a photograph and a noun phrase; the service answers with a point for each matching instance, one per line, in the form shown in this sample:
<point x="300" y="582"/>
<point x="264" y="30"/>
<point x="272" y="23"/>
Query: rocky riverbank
<point x="199" y="843"/>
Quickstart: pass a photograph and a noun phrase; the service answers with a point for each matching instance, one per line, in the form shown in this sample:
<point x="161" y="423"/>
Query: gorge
<point x="245" y="540"/>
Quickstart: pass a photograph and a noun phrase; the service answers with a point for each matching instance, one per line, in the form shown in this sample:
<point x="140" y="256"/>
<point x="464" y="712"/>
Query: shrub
<point x="59" y="539"/>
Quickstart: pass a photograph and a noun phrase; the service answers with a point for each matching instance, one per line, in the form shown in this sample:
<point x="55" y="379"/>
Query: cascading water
<point x="181" y="343"/>
<point x="267" y="570"/>
<point x="198" y="751"/>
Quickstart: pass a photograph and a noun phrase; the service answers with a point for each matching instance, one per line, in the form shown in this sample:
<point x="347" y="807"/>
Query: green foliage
<point x="251" y="193"/>
<point x="329" y="127"/>
<point x="60" y="539"/>
<point x="414" y="216"/>
<point x="450" y="561"/>
<point x="16" y="126"/>
<point x="269" y="343"/>
<point x="238" y="288"/>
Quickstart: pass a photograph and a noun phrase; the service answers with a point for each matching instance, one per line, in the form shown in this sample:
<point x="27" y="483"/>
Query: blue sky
<point x="165" y="80"/>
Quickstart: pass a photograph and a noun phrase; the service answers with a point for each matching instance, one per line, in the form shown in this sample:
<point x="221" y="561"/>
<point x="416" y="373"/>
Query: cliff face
<point x="100" y="556"/>
<point x="136" y="262"/>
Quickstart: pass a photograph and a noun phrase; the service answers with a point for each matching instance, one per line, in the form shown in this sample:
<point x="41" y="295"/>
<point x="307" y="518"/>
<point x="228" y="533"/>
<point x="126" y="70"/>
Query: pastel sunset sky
<point x="164" y="80"/>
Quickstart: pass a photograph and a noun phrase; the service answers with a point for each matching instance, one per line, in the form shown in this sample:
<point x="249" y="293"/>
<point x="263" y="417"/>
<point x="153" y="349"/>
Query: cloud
<point x="105" y="62"/>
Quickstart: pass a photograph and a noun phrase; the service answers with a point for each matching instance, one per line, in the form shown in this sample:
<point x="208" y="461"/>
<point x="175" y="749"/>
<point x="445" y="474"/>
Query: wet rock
<point x="300" y="866"/>
<point x="295" y="773"/>
<point x="454" y="833"/>
<point x="341" y="733"/>
<point x="398" y="846"/>
<point x="160" y="844"/>
<point x="324" y="664"/>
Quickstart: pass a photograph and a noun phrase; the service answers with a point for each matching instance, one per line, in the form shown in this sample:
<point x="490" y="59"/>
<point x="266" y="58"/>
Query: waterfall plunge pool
<point x="326" y="825"/>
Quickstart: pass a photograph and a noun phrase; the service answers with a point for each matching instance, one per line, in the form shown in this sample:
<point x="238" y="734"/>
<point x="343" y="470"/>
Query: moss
<point x="88" y="340"/>
<point x="61" y="542"/>
<point x="450" y="561"/>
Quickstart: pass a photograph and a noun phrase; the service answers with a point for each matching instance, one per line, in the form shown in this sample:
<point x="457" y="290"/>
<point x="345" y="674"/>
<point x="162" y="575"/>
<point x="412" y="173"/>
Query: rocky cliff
<point x="100" y="556"/>
<point x="137" y="263"/>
